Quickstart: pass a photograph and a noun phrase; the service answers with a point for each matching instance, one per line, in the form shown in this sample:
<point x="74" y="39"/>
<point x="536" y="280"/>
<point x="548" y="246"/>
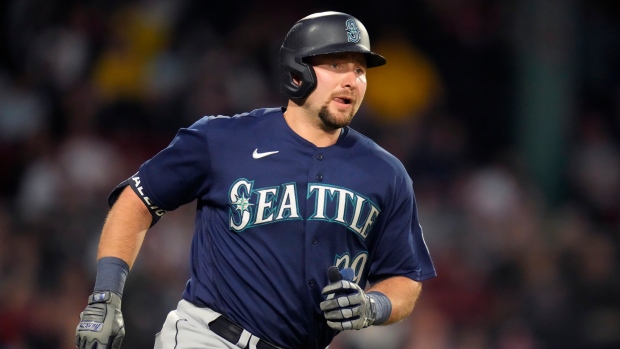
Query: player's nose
<point x="349" y="79"/>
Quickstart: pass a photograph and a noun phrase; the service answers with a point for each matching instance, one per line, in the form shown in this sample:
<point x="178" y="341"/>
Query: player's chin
<point x="344" y="111"/>
<point x="331" y="123"/>
<point x="334" y="119"/>
<point x="343" y="118"/>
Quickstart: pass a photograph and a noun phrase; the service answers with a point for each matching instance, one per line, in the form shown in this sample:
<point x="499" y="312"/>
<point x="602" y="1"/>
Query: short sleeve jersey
<point x="274" y="212"/>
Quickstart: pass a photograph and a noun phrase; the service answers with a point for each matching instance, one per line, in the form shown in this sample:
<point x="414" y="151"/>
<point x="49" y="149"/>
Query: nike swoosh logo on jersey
<point x="257" y="155"/>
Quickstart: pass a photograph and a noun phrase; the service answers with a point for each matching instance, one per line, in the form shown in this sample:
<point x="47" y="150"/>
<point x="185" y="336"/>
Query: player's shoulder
<point x="250" y="116"/>
<point x="219" y="124"/>
<point x="370" y="149"/>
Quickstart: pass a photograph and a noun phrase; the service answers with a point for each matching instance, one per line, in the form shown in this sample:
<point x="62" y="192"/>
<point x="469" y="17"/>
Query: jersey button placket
<point x="315" y="174"/>
<point x="319" y="177"/>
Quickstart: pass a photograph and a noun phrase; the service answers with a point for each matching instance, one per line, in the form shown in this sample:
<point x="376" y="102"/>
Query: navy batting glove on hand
<point x="347" y="306"/>
<point x="101" y="323"/>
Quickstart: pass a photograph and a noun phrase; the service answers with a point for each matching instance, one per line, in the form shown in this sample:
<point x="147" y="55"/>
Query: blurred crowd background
<point x="505" y="113"/>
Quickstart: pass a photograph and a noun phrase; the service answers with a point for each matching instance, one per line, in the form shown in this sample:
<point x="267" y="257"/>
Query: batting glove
<point x="101" y="323"/>
<point x="347" y="306"/>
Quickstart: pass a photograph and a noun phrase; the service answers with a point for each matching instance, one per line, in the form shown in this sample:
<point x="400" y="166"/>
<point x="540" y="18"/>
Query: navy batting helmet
<point x="318" y="34"/>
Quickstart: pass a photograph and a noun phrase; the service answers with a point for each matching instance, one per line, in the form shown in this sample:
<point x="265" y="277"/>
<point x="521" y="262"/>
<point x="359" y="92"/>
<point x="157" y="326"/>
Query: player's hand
<point x="347" y="306"/>
<point x="101" y="323"/>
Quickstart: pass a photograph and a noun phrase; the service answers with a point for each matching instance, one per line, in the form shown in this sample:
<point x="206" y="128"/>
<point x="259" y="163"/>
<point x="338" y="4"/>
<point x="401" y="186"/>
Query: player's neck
<point x="308" y="127"/>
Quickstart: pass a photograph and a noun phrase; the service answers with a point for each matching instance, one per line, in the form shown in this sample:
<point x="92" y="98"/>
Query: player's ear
<point x="296" y="80"/>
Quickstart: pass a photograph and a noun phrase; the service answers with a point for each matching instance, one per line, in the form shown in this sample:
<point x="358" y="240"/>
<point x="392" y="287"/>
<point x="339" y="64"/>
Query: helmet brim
<point x="372" y="59"/>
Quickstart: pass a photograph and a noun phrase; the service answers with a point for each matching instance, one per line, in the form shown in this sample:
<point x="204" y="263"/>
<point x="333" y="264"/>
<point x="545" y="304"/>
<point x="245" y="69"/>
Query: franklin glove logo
<point x="90" y="326"/>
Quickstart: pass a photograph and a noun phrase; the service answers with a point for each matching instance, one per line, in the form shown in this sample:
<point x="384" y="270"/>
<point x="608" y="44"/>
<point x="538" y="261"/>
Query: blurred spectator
<point x="595" y="169"/>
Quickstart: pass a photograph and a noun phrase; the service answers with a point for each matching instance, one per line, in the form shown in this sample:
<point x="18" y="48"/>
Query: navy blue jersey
<point x="274" y="212"/>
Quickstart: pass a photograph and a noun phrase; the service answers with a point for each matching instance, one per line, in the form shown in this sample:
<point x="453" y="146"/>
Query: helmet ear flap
<point x="293" y="67"/>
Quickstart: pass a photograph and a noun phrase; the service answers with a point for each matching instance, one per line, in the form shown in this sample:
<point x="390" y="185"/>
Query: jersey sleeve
<point x="178" y="173"/>
<point x="400" y="249"/>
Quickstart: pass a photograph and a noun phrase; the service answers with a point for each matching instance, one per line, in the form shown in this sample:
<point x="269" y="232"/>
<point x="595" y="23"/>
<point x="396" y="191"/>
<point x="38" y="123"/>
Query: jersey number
<point x="357" y="264"/>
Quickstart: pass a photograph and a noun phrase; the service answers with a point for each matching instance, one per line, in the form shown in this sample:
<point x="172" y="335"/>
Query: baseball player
<point x="304" y="227"/>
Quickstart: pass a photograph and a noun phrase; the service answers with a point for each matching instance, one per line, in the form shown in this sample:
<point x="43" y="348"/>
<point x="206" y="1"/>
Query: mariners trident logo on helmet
<point x="352" y="31"/>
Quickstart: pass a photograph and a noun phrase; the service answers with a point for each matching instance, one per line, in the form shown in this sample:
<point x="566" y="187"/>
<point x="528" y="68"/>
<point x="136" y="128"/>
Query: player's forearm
<point x="403" y="294"/>
<point x="124" y="228"/>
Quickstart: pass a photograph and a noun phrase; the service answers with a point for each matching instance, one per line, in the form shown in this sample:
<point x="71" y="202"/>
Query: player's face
<point x="341" y="85"/>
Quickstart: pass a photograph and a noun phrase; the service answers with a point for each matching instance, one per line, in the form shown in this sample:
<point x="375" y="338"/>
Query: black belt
<point x="231" y="332"/>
